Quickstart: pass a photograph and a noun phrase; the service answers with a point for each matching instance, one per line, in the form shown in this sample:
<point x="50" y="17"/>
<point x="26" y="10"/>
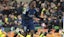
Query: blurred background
<point x="50" y="13"/>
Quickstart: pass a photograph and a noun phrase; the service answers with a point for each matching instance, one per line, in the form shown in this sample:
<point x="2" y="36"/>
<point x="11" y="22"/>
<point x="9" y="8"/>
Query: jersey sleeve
<point x="36" y="14"/>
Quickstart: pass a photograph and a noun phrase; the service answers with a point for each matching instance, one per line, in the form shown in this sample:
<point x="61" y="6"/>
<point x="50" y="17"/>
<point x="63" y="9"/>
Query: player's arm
<point x="36" y="17"/>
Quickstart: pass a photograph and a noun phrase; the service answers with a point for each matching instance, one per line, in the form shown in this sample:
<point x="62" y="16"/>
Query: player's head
<point x="32" y="4"/>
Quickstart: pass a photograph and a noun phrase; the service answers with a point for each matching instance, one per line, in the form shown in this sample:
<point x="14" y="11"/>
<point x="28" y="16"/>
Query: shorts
<point x="28" y="25"/>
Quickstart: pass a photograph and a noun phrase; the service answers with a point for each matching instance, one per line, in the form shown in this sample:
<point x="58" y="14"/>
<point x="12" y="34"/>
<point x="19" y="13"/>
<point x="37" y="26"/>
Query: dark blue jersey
<point x="29" y="14"/>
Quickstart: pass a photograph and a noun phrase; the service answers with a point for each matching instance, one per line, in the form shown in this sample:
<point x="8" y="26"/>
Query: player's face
<point x="33" y="4"/>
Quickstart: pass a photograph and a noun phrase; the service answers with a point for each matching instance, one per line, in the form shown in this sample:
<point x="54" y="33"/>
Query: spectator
<point x="19" y="9"/>
<point x="49" y="12"/>
<point x="19" y="20"/>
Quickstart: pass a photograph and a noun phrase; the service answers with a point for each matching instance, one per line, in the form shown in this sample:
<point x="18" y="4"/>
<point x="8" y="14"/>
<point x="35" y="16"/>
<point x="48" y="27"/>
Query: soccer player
<point x="27" y="18"/>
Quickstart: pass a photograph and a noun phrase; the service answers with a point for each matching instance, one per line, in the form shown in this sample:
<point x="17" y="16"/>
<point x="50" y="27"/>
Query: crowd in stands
<point x="49" y="11"/>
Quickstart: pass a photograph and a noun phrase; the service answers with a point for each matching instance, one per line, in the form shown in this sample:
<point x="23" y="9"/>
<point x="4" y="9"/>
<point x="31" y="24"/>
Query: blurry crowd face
<point x="15" y="22"/>
<point x="19" y="17"/>
<point x="9" y="15"/>
<point x="45" y="16"/>
<point x="51" y="10"/>
<point x="49" y="18"/>
<point x="59" y="4"/>
<point x="53" y="5"/>
<point x="18" y="5"/>
<point x="43" y="5"/>
<point x="0" y="14"/>
<point x="12" y="16"/>
<point x="26" y="5"/>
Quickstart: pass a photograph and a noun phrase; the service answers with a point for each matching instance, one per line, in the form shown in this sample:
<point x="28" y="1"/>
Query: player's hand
<point x="36" y="19"/>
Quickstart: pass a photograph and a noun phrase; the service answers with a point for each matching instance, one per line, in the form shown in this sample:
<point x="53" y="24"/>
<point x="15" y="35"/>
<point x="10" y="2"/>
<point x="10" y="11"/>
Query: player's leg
<point x="24" y="27"/>
<point x="31" y="27"/>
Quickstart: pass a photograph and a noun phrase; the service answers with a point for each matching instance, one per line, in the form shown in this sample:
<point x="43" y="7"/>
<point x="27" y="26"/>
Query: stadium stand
<point x="48" y="24"/>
